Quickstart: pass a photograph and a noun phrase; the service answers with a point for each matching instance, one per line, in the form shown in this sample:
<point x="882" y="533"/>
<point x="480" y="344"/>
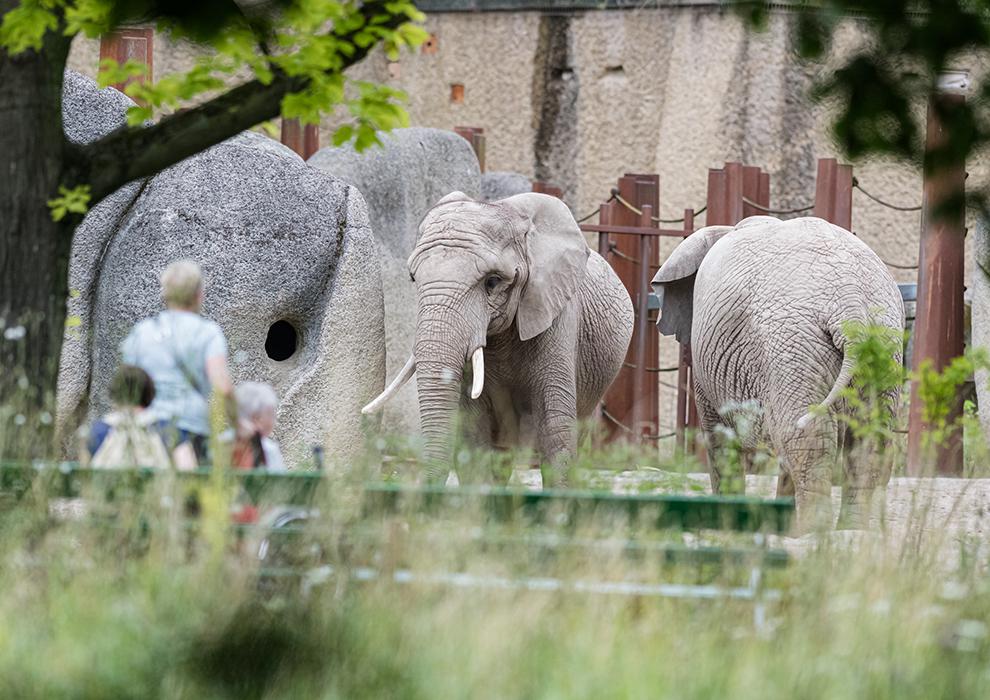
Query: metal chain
<point x="629" y="430"/>
<point x="768" y="210"/>
<point x="616" y="421"/>
<point x="899" y="267"/>
<point x="639" y="212"/>
<point x="882" y="202"/>
<point x="614" y="249"/>
<point x="630" y="365"/>
<point x="592" y="213"/>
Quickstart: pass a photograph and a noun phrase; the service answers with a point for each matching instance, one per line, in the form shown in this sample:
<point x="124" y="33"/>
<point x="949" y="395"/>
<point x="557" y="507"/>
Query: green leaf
<point x="69" y="201"/>
<point x="25" y="26"/>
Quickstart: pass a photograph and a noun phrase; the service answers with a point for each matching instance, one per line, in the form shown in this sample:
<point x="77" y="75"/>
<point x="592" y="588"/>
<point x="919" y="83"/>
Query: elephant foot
<point x="814" y="512"/>
<point x="785" y="485"/>
<point x="859" y="505"/>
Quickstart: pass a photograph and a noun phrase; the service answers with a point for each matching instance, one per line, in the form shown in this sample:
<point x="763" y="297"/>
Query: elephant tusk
<point x="404" y="375"/>
<point x="478" y="372"/>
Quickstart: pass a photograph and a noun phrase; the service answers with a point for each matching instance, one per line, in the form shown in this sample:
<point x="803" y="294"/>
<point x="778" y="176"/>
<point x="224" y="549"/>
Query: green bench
<point x="535" y="527"/>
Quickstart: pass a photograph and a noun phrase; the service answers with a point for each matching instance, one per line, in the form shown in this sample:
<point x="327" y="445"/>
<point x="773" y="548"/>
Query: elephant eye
<point x="492" y="282"/>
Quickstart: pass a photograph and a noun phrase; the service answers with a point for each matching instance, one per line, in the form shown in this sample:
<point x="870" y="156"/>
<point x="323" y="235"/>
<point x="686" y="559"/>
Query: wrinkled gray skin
<point x="763" y="305"/>
<point x="981" y="315"/>
<point x="516" y="278"/>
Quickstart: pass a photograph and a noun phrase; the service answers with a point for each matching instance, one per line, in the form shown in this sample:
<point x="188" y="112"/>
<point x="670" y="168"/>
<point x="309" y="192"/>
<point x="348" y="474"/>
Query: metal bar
<point x="311" y="140"/>
<point x="825" y="189"/>
<point x="604" y="218"/>
<point x="641" y="389"/>
<point x="662" y="511"/>
<point x="751" y="190"/>
<point x="716" y="214"/>
<point x="938" y="325"/>
<point x="292" y="135"/>
<point x="467" y="580"/>
<point x="734" y="192"/>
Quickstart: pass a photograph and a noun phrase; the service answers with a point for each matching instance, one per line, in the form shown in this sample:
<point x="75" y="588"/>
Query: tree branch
<point x="131" y="153"/>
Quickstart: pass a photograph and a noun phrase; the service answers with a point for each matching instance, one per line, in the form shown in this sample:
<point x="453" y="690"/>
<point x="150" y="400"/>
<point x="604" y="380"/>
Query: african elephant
<point x="544" y="320"/>
<point x="763" y="305"/>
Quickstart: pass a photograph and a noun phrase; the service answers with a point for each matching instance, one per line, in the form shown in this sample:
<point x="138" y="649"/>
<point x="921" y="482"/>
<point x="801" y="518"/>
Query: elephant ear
<point x="674" y="282"/>
<point x="454" y="196"/>
<point x="557" y="255"/>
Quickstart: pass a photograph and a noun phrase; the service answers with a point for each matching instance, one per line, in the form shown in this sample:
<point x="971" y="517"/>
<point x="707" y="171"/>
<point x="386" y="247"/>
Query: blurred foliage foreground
<point x="148" y="592"/>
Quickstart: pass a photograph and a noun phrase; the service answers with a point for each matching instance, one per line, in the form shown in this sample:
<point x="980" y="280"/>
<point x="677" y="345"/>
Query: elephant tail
<point x="841" y="382"/>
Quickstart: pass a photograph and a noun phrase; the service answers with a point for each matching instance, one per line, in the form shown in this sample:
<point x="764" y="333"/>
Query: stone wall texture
<point x="577" y="98"/>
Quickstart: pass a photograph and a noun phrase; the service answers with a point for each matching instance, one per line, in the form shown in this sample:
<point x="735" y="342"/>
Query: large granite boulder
<point x="498" y="184"/>
<point x="292" y="277"/>
<point x="400" y="181"/>
<point x="88" y="114"/>
<point x="291" y="274"/>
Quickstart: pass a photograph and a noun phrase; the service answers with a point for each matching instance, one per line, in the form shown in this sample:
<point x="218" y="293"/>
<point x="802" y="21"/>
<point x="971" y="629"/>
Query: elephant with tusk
<point x="764" y="305"/>
<point x="513" y="286"/>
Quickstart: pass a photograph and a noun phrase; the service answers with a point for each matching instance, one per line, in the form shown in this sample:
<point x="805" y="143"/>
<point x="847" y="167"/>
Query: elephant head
<point x="482" y="270"/>
<point x="674" y="282"/>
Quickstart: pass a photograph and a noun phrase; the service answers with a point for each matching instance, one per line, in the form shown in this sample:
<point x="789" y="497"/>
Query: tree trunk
<point x="34" y="250"/>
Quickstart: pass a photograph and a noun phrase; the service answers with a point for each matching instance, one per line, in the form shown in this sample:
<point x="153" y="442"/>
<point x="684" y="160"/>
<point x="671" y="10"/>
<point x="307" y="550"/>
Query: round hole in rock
<point x="281" y="341"/>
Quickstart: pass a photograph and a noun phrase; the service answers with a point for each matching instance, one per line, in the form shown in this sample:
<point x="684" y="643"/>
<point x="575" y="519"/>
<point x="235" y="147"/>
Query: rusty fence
<point x="628" y="238"/>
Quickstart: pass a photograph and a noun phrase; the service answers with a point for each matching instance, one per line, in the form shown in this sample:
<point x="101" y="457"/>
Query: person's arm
<point x="219" y="376"/>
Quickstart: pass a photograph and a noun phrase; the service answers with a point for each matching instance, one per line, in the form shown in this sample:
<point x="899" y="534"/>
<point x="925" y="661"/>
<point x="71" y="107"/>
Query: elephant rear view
<point x="764" y="305"/>
<point x="512" y="286"/>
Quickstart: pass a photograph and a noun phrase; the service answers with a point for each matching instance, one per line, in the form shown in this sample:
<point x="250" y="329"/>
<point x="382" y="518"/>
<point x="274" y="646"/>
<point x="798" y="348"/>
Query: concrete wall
<point x="578" y="98"/>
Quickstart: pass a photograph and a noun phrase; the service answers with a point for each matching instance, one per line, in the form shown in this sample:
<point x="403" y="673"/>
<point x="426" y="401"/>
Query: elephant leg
<point x="808" y="452"/>
<point x="785" y="484"/>
<point x="725" y="464"/>
<point x="864" y="471"/>
<point x="556" y="437"/>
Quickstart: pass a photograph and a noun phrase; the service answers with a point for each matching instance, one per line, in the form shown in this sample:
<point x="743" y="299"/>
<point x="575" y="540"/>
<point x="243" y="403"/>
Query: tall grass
<point x="127" y="601"/>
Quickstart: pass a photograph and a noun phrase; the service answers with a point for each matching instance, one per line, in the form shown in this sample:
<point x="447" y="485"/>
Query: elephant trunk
<point x="444" y="342"/>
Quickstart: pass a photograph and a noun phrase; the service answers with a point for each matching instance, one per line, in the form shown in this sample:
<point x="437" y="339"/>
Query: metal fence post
<point x="833" y="193"/>
<point x="629" y="401"/>
<point x="474" y="135"/>
<point x="130" y="44"/>
<point x="304" y="140"/>
<point x="938" y="326"/>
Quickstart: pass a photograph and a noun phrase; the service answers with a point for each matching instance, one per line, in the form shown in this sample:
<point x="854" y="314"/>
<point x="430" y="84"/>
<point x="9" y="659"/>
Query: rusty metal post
<point x="833" y="193"/>
<point x="623" y="395"/>
<point x="642" y="418"/>
<point x="604" y="218"/>
<point x="938" y="325"/>
<point x="685" y="392"/>
<point x="130" y="44"/>
<point x="474" y="135"/>
<point x="717" y="213"/>
<point x="303" y="140"/>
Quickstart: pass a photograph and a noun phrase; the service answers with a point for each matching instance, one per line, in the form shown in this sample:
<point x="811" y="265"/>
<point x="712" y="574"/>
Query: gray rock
<point x="497" y="185"/>
<point x="278" y="241"/>
<point x="401" y="181"/>
<point x="88" y="113"/>
<point x="980" y="319"/>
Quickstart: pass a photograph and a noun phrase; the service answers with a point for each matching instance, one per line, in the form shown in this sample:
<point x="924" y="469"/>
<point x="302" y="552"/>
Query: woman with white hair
<point x="253" y="446"/>
<point x="186" y="356"/>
